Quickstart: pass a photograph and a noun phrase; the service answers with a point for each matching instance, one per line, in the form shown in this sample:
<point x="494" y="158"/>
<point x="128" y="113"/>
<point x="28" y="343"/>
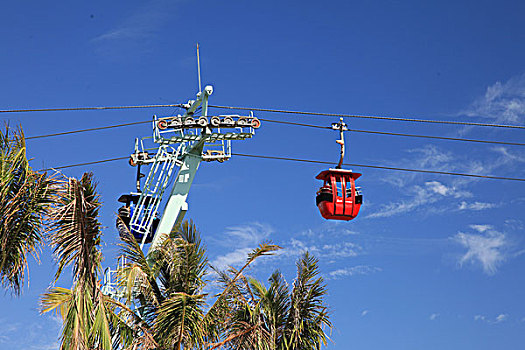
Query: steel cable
<point x="63" y="109"/>
<point x="284" y="111"/>
<point x="295" y="124"/>
<point x="317" y="162"/>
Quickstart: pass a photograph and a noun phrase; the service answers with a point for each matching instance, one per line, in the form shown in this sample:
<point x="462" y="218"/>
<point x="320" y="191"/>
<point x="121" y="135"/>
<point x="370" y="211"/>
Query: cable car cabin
<point x="338" y="199"/>
<point x="125" y="213"/>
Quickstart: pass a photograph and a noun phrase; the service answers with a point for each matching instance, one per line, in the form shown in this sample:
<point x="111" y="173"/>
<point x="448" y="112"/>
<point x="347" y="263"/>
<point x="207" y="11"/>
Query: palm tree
<point x="165" y="291"/>
<point x="25" y="199"/>
<point x="90" y="318"/>
<point x="276" y="318"/>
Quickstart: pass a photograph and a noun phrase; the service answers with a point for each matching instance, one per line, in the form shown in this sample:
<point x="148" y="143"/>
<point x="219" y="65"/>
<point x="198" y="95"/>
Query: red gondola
<point x="339" y="198"/>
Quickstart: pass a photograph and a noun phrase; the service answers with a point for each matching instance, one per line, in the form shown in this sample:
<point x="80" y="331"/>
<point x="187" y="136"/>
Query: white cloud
<point x="418" y="196"/>
<point x="329" y="229"/>
<point x="502" y="102"/>
<point x="430" y="156"/>
<point x="51" y="346"/>
<point x="41" y="333"/>
<point x="329" y="243"/>
<point x="487" y="249"/>
<point x="364" y="313"/>
<point x="243" y="239"/>
<point x="500" y="318"/>
<point x="136" y="32"/>
<point x="340" y="250"/>
<point x="332" y="251"/>
<point x="432" y="317"/>
<point x="248" y="235"/>
<point x="235" y="258"/>
<point x="515" y="224"/>
<point x="508" y="156"/>
<point x="352" y="271"/>
<point x="143" y="23"/>
<point x="481" y="228"/>
<point x="438" y="187"/>
<point x="476" y="206"/>
<point x="425" y="195"/>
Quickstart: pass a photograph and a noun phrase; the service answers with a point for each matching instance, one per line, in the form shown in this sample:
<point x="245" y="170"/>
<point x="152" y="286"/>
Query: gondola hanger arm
<point x="341" y="126"/>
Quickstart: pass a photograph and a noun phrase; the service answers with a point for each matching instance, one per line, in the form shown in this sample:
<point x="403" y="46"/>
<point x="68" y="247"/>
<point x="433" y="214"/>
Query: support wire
<point x="317" y="162"/>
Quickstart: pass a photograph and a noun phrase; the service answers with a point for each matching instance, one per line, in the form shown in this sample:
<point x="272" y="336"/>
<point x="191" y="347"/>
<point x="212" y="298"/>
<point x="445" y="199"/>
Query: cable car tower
<point x="181" y="143"/>
<point x="174" y="152"/>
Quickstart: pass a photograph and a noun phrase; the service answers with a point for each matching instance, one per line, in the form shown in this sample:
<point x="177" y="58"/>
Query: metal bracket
<point x="341" y="126"/>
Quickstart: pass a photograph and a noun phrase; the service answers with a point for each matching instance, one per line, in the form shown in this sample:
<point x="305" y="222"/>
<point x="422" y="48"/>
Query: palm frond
<point x="56" y="299"/>
<point x="25" y="199"/>
<point x="100" y="333"/>
<point x="308" y="317"/>
<point x="181" y="261"/>
<point x="75" y="229"/>
<point x="179" y="321"/>
<point x="261" y="250"/>
<point x="136" y="276"/>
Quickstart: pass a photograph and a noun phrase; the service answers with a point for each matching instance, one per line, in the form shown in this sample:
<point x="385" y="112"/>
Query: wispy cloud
<point x="7" y="329"/>
<point x="502" y="102"/>
<point x="433" y="317"/>
<point x="352" y="271"/>
<point x="476" y="206"/>
<point x="479" y="318"/>
<point x="235" y="258"/>
<point x="481" y="228"/>
<point x="418" y="196"/>
<point x="243" y="239"/>
<point x="487" y="249"/>
<point x="136" y="30"/>
<point x="498" y="319"/>
<point x="331" y="243"/>
<point x="249" y="234"/>
<point x="41" y="333"/>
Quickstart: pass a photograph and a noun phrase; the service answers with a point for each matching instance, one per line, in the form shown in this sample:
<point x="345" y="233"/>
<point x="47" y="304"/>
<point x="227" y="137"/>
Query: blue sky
<point x="431" y="262"/>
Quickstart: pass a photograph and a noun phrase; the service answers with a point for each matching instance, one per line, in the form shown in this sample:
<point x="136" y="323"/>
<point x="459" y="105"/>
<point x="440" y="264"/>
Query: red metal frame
<point x="342" y="205"/>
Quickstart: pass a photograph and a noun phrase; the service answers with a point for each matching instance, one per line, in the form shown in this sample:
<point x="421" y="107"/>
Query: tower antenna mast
<point x="199" y="68"/>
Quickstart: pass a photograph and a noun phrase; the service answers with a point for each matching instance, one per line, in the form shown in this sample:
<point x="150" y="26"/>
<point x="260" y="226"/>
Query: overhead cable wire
<point x="284" y="111"/>
<point x="85" y="130"/>
<point x="294" y="124"/>
<point x="438" y="137"/>
<point x="82" y="164"/>
<point x="317" y="162"/>
<point x="64" y="109"/>
<point x="383" y="167"/>
<point x="400" y="134"/>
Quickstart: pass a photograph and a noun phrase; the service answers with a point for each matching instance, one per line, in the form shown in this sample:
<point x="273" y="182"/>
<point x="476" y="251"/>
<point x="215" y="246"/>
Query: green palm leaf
<point x="25" y="199"/>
